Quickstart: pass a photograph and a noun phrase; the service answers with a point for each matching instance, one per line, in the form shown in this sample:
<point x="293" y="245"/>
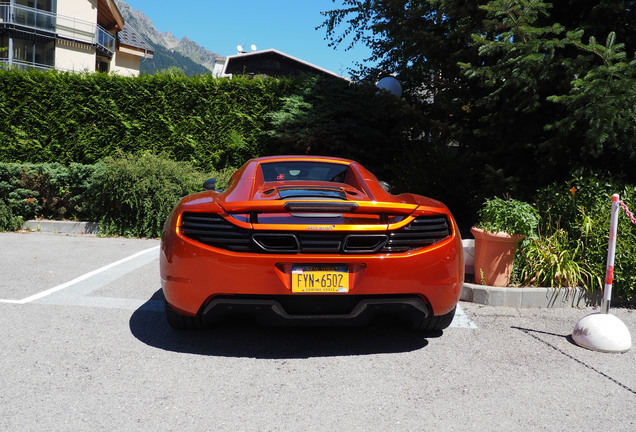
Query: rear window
<point x="314" y="171"/>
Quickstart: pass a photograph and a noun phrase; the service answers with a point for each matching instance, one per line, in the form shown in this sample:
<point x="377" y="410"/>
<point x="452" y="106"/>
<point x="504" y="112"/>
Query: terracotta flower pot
<point x="494" y="256"/>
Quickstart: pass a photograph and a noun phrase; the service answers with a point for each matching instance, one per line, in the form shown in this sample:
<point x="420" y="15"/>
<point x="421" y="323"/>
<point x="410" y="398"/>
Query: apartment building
<point x="69" y="35"/>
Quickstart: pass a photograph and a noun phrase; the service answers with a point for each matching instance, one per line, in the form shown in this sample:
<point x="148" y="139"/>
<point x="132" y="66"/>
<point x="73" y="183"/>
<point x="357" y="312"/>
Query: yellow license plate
<point x="320" y="278"/>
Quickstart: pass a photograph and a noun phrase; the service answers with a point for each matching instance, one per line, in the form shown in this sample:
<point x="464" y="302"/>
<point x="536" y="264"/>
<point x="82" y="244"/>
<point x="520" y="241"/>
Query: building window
<point x="44" y="5"/>
<point x="28" y="53"/>
<point x="102" y="65"/>
<point x="23" y="50"/>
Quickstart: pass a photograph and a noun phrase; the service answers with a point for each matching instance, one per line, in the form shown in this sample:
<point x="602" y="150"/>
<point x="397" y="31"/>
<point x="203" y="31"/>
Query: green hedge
<point x="49" y="191"/>
<point x="133" y="195"/>
<point x="128" y="195"/>
<point x="211" y="123"/>
<point x="82" y="118"/>
<point x="8" y="220"/>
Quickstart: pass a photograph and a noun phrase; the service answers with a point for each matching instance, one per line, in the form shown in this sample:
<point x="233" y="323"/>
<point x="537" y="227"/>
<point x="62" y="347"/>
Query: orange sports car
<point x="308" y="239"/>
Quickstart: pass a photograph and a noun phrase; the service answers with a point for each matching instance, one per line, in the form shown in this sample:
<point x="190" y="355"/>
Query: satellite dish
<point x="239" y="48"/>
<point x="391" y="85"/>
<point x="253" y="47"/>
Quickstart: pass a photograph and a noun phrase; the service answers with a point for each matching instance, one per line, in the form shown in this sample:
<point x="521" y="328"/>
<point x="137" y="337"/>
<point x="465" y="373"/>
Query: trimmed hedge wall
<point x="82" y="118"/>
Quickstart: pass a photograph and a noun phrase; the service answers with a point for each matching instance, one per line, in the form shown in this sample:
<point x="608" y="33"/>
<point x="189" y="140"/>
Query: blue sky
<point x="286" y="25"/>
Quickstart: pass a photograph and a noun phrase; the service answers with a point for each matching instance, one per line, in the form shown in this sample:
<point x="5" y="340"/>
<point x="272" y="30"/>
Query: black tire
<point x="182" y="322"/>
<point x="436" y="322"/>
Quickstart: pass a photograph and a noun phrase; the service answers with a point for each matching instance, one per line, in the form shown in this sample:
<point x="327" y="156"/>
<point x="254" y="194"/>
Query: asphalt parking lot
<point x="85" y="347"/>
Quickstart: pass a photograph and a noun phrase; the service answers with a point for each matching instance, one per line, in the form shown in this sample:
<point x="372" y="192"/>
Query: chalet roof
<point x="109" y="16"/>
<point x="271" y="62"/>
<point x="128" y="36"/>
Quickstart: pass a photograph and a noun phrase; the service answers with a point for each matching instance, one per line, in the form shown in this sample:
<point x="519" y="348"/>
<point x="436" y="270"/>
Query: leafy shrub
<point x="133" y="195"/>
<point x="581" y="208"/>
<point x="555" y="261"/>
<point x="82" y="118"/>
<point x="331" y="117"/>
<point x="49" y="191"/>
<point x="510" y="216"/>
<point x="8" y="221"/>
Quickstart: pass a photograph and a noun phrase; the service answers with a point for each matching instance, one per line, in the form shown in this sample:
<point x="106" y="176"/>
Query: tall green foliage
<point x="337" y="118"/>
<point x="510" y="84"/>
<point x="49" y="190"/>
<point x="553" y="100"/>
<point x="133" y="195"/>
<point x="62" y="117"/>
<point x="578" y="211"/>
<point x="599" y="109"/>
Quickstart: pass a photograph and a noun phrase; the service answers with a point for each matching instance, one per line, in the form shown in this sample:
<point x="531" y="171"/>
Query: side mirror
<point x="210" y="184"/>
<point x="385" y="186"/>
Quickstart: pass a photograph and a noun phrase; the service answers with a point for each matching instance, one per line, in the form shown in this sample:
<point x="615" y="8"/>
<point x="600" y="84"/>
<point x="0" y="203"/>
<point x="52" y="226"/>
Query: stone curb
<point x="63" y="227"/>
<point x="528" y="297"/>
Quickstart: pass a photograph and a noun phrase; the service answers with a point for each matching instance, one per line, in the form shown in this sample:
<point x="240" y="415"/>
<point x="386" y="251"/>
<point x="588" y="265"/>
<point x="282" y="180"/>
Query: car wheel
<point x="180" y="321"/>
<point x="436" y="322"/>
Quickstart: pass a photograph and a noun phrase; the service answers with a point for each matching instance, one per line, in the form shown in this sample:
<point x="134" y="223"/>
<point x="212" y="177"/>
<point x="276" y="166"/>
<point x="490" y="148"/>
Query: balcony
<point x="26" y="18"/>
<point x="105" y="42"/>
<point x="50" y="24"/>
<point x="22" y="65"/>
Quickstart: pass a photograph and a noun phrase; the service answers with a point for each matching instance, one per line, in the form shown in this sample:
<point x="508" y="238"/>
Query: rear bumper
<point x="312" y="309"/>
<point x="201" y="279"/>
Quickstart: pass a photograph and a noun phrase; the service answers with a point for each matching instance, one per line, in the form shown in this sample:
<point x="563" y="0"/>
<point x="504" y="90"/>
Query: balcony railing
<point x="62" y="26"/>
<point x="105" y="39"/>
<point x="27" y="17"/>
<point x="22" y="65"/>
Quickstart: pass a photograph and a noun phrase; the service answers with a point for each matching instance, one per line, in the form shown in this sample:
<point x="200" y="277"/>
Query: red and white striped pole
<point x="603" y="331"/>
<point x="611" y="252"/>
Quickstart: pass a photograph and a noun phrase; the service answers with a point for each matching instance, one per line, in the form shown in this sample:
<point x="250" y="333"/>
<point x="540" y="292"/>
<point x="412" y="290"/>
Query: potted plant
<point x="501" y="226"/>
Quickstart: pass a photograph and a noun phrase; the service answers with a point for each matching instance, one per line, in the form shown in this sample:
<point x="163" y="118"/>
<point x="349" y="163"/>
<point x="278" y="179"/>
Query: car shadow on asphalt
<point x="246" y="339"/>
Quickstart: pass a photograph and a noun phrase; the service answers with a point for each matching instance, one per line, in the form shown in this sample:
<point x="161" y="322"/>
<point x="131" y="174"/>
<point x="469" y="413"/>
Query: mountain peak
<point x="185" y="47"/>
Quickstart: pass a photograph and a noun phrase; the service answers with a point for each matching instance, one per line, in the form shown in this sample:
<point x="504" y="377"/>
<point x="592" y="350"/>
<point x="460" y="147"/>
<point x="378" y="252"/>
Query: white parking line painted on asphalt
<point x="79" y="279"/>
<point x="462" y="320"/>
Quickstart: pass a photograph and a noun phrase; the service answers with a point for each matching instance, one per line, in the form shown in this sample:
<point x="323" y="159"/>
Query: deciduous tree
<point x="517" y="87"/>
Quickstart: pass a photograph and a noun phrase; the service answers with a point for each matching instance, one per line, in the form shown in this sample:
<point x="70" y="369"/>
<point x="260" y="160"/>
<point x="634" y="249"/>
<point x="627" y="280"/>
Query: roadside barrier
<point x="602" y="331"/>
<point x="611" y="252"/>
<point x="629" y="214"/>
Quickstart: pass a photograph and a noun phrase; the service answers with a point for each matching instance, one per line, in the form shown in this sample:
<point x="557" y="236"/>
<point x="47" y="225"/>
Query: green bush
<point x="510" y="216"/>
<point x="8" y="220"/>
<point x="556" y="261"/>
<point x="82" y="118"/>
<point x="133" y="195"/>
<point x="48" y="191"/>
<point x="129" y="195"/>
<point x="581" y="209"/>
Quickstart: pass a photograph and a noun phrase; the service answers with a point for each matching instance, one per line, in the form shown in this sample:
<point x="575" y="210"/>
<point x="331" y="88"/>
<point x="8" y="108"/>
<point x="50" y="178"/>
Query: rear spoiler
<point x="327" y="206"/>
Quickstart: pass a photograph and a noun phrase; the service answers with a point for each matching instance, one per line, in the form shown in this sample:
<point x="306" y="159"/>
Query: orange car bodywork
<point x="193" y="272"/>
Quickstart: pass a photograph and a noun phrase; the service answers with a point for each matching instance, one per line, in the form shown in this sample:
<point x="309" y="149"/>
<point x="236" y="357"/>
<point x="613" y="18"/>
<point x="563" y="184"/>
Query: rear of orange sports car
<point x="310" y="239"/>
